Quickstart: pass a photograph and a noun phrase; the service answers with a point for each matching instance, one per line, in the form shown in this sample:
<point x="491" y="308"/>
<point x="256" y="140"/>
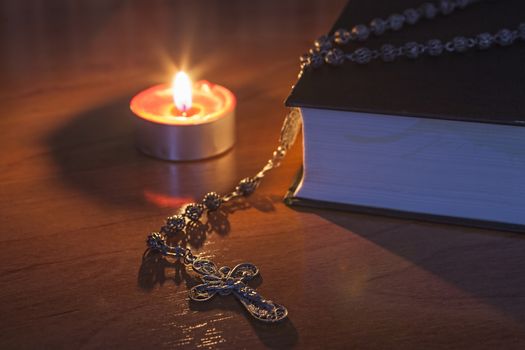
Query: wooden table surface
<point x="77" y="200"/>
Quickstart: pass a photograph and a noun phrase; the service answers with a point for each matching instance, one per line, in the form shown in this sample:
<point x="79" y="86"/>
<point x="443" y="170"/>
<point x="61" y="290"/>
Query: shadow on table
<point x="280" y="335"/>
<point x="487" y="265"/>
<point x="95" y="153"/>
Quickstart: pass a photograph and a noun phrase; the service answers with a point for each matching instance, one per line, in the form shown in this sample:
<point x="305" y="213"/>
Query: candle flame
<point x="181" y="88"/>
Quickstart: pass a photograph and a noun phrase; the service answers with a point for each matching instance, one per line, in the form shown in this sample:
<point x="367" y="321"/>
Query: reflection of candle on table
<point x="167" y="188"/>
<point x="184" y="121"/>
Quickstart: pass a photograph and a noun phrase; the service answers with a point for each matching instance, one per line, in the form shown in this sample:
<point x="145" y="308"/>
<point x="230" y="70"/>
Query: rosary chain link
<point x="327" y="49"/>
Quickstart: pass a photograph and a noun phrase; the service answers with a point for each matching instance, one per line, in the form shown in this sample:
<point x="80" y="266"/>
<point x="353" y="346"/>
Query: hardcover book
<point x="436" y="138"/>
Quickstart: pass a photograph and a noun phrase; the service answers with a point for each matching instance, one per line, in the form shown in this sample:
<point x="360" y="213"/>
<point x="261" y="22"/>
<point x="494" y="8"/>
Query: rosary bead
<point x="176" y="222"/>
<point x="411" y="15"/>
<point x="247" y="186"/>
<point x="342" y="36"/>
<point x="335" y="57"/>
<point x="484" y="41"/>
<point x="460" y="44"/>
<point x="316" y="60"/>
<point x="395" y="21"/>
<point x="378" y="26"/>
<point x="411" y="49"/>
<point x="446" y="6"/>
<point x="504" y="37"/>
<point x="212" y="201"/>
<point x="434" y="47"/>
<point x="194" y="211"/>
<point x="155" y="241"/>
<point x="361" y="32"/>
<point x="279" y="153"/>
<point x="304" y="59"/>
<point x="323" y="43"/>
<point x="362" y="55"/>
<point x="428" y="10"/>
<point x="388" y="53"/>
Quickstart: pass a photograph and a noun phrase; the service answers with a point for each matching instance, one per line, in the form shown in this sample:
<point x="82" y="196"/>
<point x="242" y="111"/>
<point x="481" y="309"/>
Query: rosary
<point x="327" y="50"/>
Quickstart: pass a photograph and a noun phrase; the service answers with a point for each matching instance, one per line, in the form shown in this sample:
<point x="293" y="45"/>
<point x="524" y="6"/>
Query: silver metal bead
<point x="304" y="59"/>
<point x="342" y="36"/>
<point x="411" y="15"/>
<point x="194" y="211"/>
<point x="335" y="57"/>
<point x="212" y="201"/>
<point x="362" y="55"/>
<point x="388" y="53"/>
<point x="323" y="43"/>
<point x="484" y="40"/>
<point x="176" y="222"/>
<point x="361" y="32"/>
<point x="434" y="47"/>
<point x="247" y="186"/>
<point x="411" y="49"/>
<point x="155" y="241"/>
<point x="504" y="37"/>
<point x="446" y="6"/>
<point x="396" y="21"/>
<point x="279" y="153"/>
<point x="460" y="44"/>
<point x="378" y="26"/>
<point x="521" y="31"/>
<point x="428" y="10"/>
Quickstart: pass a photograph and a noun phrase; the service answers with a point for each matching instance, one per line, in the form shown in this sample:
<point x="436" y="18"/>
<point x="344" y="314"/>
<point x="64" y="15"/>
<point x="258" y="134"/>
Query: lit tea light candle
<point x="184" y="121"/>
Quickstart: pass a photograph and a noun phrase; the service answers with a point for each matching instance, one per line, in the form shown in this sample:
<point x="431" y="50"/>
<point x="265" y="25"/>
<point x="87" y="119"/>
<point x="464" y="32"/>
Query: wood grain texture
<point x="76" y="199"/>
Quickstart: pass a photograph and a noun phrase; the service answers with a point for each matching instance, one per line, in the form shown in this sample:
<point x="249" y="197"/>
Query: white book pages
<point x="418" y="165"/>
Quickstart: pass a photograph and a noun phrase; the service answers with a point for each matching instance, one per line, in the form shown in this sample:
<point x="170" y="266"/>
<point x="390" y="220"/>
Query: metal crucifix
<point x="225" y="281"/>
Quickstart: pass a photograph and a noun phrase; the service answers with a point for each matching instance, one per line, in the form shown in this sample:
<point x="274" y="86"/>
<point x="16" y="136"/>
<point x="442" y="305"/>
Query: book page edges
<point x="293" y="200"/>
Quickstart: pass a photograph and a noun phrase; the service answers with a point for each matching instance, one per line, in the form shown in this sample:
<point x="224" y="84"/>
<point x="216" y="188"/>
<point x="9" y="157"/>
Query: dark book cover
<point x="481" y="86"/>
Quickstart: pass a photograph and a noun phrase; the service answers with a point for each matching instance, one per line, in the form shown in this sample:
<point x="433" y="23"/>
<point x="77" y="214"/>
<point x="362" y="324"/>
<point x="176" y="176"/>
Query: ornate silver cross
<point x="225" y="281"/>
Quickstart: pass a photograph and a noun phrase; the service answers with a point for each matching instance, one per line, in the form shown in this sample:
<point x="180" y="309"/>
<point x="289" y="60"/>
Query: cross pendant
<point x="225" y="281"/>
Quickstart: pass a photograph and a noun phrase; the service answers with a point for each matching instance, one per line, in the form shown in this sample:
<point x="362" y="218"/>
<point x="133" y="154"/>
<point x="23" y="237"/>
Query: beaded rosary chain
<point x="213" y="201"/>
<point x="192" y="212"/>
<point x="325" y="50"/>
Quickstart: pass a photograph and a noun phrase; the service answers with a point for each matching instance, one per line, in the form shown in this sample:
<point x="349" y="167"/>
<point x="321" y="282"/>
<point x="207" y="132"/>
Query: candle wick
<point x="185" y="110"/>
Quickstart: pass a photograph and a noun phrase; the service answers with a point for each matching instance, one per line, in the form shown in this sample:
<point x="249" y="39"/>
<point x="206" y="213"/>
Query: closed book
<point x="435" y="138"/>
